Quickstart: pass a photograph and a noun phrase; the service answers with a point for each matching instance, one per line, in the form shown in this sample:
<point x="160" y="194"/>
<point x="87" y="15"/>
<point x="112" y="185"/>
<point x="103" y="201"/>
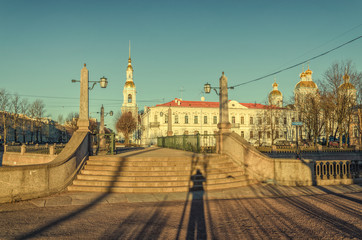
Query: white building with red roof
<point x="250" y="120"/>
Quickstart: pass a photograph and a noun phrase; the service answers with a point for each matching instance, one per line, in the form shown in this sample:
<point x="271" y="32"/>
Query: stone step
<point x="157" y="162"/>
<point x="169" y="183"/>
<point x="156" y="189"/>
<point x="159" y="177"/>
<point x="197" y="157"/>
<point x="159" y="173"/>
<point x="160" y="164"/>
<point x="153" y="168"/>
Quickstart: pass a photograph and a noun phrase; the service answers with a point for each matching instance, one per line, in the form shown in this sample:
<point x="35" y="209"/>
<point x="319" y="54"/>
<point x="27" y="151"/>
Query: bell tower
<point x="129" y="90"/>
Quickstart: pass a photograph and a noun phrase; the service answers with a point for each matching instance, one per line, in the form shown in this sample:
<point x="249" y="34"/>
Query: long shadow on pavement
<point x="320" y="214"/>
<point x="56" y="222"/>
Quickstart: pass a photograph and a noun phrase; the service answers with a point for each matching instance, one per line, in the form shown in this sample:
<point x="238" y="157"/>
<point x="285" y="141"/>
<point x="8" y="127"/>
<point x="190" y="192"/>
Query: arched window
<point x="129" y="98"/>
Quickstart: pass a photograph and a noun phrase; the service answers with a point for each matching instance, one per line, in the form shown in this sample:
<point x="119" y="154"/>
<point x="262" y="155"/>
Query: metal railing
<point x="289" y="149"/>
<point x="109" y="145"/>
<point x="338" y="169"/>
<point x="35" y="148"/>
<point x="192" y="143"/>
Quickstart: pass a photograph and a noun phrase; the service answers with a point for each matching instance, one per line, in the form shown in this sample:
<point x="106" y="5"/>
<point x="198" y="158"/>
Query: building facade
<point x="257" y="123"/>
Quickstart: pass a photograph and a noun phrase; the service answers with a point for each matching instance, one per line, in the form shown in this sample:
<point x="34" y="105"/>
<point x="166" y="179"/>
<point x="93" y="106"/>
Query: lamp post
<point x="83" y="121"/>
<point x="224" y="124"/>
<point x="102" y="141"/>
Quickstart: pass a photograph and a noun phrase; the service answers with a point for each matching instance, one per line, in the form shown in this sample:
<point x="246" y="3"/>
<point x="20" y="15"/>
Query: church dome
<point x="308" y="72"/>
<point x="275" y="93"/>
<point x="129" y="84"/>
<point x="346" y="85"/>
<point x="306" y="84"/>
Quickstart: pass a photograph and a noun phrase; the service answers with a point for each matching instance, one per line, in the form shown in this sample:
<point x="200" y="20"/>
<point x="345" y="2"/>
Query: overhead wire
<point x="296" y="65"/>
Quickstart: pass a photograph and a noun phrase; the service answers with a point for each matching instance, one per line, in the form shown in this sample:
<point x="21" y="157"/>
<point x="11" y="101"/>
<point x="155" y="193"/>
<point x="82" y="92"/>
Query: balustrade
<point x="338" y="169"/>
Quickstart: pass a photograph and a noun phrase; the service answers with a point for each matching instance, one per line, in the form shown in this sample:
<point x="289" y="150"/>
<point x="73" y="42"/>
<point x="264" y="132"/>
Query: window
<point x="276" y="134"/>
<point x="242" y="120"/>
<point x="268" y="134"/>
<point x="233" y="119"/>
<point x="260" y="134"/>
<point x="355" y="131"/>
<point x="285" y="135"/>
<point x="268" y="120"/>
<point x="166" y="118"/>
<point x="196" y="132"/>
<point x="205" y="132"/>
<point x="251" y="135"/>
<point x="276" y="121"/>
<point x="186" y="119"/>
<point x="215" y="120"/>
<point x="242" y="134"/>
<point x="205" y="119"/>
<point x="285" y="121"/>
<point x="196" y="119"/>
<point x="129" y="98"/>
<point x="186" y="133"/>
<point x="259" y="120"/>
<point x="176" y="118"/>
<point x="251" y="121"/>
<point x="293" y="119"/>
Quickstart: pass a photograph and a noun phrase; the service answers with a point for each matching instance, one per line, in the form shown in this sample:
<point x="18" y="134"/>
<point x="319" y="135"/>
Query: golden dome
<point x="306" y="84"/>
<point x="129" y="67"/>
<point x="275" y="93"/>
<point x="308" y="72"/>
<point x="129" y="84"/>
<point x="302" y="75"/>
<point x="275" y="84"/>
<point x="347" y="86"/>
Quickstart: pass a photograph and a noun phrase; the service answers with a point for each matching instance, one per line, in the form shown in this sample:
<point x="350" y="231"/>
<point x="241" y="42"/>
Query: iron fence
<point x="35" y="148"/>
<point x="192" y="143"/>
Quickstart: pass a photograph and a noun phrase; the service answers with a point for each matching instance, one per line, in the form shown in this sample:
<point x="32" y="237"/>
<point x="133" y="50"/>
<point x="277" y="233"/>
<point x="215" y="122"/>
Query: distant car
<point x="333" y="144"/>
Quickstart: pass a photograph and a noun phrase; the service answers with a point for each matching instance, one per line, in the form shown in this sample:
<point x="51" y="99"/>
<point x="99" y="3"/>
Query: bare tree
<point x="342" y="102"/>
<point x="310" y="113"/>
<point x="126" y="124"/>
<point x="24" y="109"/>
<point x="38" y="111"/>
<point x="4" y="108"/>
<point x="71" y="122"/>
<point x="15" y="109"/>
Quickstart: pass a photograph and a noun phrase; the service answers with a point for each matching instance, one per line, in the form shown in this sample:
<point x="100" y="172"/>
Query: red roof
<point x="174" y="103"/>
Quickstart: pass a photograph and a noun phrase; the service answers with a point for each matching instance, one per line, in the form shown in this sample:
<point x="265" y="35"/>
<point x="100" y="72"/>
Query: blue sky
<point x="175" y="45"/>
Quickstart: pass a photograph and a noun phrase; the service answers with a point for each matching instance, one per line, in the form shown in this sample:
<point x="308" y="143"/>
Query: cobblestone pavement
<point x="330" y="215"/>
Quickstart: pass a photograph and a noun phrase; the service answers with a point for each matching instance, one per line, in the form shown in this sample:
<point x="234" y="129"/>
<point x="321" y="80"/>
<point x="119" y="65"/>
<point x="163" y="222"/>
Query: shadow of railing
<point x="83" y="209"/>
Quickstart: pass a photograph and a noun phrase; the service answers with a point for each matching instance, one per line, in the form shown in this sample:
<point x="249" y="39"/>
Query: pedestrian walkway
<point x="247" y="192"/>
<point x="264" y="190"/>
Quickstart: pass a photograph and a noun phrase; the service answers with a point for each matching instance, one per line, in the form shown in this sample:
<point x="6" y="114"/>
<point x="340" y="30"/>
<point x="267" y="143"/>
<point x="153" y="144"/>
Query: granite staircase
<point x="158" y="174"/>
